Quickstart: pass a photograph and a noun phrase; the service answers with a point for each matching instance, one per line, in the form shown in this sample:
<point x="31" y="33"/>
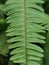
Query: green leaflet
<point x="31" y="46"/>
<point x="29" y="1"/>
<point x="25" y="17"/>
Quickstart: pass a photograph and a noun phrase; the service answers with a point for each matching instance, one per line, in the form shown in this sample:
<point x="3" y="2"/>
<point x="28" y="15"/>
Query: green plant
<point x="27" y="24"/>
<point x="27" y="32"/>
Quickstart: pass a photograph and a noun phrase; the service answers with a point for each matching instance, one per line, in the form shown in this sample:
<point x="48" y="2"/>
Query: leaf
<point x="25" y="18"/>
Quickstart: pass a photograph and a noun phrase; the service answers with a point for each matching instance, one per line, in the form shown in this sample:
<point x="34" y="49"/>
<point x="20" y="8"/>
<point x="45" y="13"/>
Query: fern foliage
<point x="3" y="38"/>
<point x="26" y="19"/>
<point x="46" y="47"/>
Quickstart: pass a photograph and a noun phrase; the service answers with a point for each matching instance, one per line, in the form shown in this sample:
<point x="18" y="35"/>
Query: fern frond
<point x="24" y="18"/>
<point x="3" y="38"/>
